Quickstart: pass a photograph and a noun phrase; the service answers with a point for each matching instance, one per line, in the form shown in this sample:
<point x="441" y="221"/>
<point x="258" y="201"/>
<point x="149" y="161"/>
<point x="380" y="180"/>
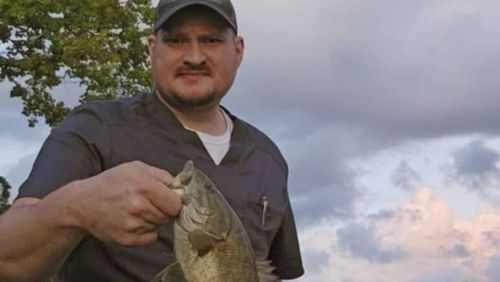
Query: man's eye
<point x="212" y="40"/>
<point x="172" y="40"/>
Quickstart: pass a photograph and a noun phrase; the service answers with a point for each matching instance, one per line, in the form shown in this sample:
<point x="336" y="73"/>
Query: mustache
<point x="194" y="67"/>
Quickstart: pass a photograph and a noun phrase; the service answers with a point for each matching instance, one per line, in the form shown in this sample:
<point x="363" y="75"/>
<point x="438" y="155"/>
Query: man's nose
<point x="194" y="54"/>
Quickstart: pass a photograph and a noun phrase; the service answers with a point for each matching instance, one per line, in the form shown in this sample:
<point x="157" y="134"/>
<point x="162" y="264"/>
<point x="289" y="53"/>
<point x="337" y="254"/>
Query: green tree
<point x="98" y="44"/>
<point x="4" y="194"/>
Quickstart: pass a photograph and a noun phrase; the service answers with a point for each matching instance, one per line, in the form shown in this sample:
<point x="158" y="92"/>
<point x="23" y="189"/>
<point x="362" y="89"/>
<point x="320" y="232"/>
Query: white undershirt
<point x="217" y="146"/>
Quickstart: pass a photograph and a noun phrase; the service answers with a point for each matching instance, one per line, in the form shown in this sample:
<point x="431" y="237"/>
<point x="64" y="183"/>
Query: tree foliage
<point x="4" y="194"/>
<point x="98" y="44"/>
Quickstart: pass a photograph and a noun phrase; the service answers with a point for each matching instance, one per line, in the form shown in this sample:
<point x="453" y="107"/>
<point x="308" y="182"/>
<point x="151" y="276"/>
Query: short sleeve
<point x="73" y="151"/>
<point x="285" y="251"/>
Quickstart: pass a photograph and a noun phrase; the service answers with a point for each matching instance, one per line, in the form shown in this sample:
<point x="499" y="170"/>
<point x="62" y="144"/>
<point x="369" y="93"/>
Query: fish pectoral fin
<point x="171" y="273"/>
<point x="201" y="241"/>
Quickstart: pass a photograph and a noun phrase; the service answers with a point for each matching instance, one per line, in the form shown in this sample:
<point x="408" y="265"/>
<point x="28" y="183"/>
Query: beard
<point x="179" y="102"/>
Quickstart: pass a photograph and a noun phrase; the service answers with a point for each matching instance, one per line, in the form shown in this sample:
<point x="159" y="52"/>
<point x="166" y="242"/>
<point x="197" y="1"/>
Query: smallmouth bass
<point x="210" y="242"/>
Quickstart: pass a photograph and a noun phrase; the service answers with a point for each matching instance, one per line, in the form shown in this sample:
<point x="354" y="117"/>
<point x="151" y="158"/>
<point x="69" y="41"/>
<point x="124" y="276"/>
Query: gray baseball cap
<point x="166" y="8"/>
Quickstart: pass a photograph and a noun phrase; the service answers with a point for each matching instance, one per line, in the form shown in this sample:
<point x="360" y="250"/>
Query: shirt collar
<point x="242" y="142"/>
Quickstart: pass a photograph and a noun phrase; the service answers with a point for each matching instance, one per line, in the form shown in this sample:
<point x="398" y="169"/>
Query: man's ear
<point x="152" y="40"/>
<point x="239" y="44"/>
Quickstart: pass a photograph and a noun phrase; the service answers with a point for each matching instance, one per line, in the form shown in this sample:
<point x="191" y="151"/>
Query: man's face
<point x="194" y="61"/>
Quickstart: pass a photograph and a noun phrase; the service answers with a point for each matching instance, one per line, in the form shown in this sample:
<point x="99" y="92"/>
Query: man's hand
<point x="125" y="204"/>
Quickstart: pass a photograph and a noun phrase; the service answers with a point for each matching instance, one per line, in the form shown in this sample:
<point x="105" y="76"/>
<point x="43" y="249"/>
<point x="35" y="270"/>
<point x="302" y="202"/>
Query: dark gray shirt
<point x="100" y="135"/>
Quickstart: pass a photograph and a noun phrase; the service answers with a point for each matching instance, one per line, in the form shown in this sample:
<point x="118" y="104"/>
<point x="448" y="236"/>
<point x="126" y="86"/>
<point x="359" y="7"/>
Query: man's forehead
<point x="196" y="15"/>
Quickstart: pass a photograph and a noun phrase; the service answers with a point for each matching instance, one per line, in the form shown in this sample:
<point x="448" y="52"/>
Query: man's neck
<point x="210" y="120"/>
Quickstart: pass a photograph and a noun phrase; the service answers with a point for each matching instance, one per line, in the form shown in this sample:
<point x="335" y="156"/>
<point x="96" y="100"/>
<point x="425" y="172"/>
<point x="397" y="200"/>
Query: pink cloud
<point x="436" y="244"/>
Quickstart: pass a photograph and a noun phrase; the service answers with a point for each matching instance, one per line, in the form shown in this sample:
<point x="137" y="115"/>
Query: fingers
<point x="130" y="214"/>
<point x="145" y="228"/>
<point x="138" y="240"/>
<point x="165" y="200"/>
<point x="156" y="190"/>
<point x="158" y="174"/>
<point x="138" y="233"/>
<point x="151" y="214"/>
<point x="147" y="238"/>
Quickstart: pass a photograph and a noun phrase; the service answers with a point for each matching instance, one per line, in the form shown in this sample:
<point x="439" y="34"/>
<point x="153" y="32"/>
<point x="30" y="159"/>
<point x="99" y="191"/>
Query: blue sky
<point x="387" y="112"/>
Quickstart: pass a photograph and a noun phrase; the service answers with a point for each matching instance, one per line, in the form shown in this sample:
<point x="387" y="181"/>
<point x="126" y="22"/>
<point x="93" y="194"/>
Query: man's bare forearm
<point x="120" y="205"/>
<point x="35" y="238"/>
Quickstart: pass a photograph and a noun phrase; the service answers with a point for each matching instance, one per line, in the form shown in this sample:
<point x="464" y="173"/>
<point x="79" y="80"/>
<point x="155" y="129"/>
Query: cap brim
<point x="178" y="7"/>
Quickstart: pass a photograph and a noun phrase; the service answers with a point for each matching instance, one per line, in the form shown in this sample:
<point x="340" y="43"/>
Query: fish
<point x="210" y="242"/>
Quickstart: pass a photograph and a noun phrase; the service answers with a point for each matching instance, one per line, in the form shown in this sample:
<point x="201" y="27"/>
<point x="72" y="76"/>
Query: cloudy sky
<point x="388" y="114"/>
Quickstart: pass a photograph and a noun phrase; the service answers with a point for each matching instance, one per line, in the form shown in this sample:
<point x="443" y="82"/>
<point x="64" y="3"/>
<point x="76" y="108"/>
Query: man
<point x="95" y="206"/>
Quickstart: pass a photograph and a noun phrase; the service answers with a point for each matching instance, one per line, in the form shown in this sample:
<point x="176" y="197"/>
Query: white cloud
<point x="17" y="157"/>
<point x="19" y="144"/>
<point x="425" y="228"/>
<point x="434" y="162"/>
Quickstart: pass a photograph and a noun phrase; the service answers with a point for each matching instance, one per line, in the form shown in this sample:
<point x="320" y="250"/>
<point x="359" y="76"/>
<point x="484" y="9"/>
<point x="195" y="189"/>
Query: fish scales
<point x="228" y="260"/>
<point x="210" y="242"/>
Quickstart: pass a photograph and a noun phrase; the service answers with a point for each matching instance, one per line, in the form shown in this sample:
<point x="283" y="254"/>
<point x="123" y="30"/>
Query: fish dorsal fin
<point x="171" y="273"/>
<point x="201" y="241"/>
